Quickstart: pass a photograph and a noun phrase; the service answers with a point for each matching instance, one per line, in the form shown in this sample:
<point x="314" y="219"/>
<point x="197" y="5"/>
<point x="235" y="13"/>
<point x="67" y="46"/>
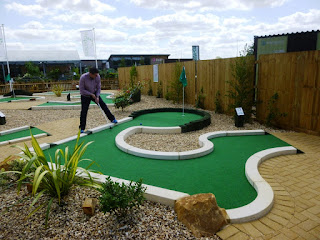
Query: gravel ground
<point x="150" y="221"/>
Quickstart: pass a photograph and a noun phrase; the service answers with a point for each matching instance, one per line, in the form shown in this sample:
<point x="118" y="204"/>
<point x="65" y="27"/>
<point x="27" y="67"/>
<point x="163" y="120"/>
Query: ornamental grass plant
<point x="53" y="177"/>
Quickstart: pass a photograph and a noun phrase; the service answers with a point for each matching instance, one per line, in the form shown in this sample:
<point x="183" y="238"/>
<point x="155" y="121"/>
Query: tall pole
<point x="95" y="49"/>
<point x="8" y="66"/>
<point x="5" y="48"/>
<point x="183" y="101"/>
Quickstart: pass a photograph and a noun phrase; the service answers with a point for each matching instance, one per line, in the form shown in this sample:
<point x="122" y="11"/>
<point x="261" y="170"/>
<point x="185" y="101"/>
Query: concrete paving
<point x="295" y="180"/>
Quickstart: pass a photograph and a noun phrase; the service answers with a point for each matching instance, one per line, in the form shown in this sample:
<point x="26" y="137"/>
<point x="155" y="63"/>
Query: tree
<point x="242" y="89"/>
<point x="32" y="69"/>
<point x="122" y="62"/>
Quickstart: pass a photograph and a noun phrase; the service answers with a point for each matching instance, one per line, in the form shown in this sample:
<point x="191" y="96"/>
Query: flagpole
<point x="183" y="93"/>
<point x="183" y="101"/>
<point x="5" y="48"/>
<point x="8" y="66"/>
<point x="95" y="50"/>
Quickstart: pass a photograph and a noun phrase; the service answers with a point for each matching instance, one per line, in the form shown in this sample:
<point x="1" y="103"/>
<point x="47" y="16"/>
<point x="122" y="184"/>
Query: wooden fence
<point x="212" y="76"/>
<point x="34" y="87"/>
<point x="294" y="76"/>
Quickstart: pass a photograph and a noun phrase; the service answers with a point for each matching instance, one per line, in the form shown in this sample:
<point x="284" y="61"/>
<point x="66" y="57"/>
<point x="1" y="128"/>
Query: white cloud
<point x="28" y="10"/>
<point x="54" y="7"/>
<point x="208" y="5"/>
<point x="77" y="5"/>
<point x="309" y="19"/>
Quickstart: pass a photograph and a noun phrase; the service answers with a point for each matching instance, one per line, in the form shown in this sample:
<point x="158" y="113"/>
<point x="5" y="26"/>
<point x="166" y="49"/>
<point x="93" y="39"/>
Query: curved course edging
<point x="264" y="201"/>
<point x="206" y="146"/>
<point x="252" y="211"/>
<point x="188" y="127"/>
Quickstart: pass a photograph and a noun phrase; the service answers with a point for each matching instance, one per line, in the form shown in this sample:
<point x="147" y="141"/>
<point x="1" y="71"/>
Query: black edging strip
<point x="188" y="127"/>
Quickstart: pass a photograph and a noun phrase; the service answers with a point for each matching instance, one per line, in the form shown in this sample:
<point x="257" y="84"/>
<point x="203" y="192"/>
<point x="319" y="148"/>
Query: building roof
<point x="42" y="56"/>
<point x="286" y="34"/>
<point x="135" y="55"/>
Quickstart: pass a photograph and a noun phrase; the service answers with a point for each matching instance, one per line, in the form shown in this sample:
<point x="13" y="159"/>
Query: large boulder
<point x="201" y="214"/>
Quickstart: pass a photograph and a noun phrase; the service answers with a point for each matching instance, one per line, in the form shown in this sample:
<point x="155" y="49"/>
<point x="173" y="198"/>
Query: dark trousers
<point x="85" y="102"/>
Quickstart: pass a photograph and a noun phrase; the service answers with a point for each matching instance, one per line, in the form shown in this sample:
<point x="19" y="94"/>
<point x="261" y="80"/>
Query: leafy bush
<point x="4" y="178"/>
<point x="273" y="111"/>
<point x="217" y="103"/>
<point x="54" y="74"/>
<point x="159" y="90"/>
<point x="120" y="198"/>
<point x="57" y="89"/>
<point x="150" y="91"/>
<point x="200" y="99"/>
<point x="241" y="89"/>
<point x="32" y="69"/>
<point x="51" y="177"/>
<point x="122" y="99"/>
<point x="176" y="86"/>
<point x="133" y="75"/>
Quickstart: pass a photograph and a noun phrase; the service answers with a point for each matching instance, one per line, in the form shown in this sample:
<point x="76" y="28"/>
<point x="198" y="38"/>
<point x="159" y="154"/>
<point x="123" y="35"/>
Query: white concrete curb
<point x="13" y="130"/>
<point x="65" y="107"/>
<point x="24" y="100"/>
<point x="206" y="146"/>
<point x="264" y="201"/>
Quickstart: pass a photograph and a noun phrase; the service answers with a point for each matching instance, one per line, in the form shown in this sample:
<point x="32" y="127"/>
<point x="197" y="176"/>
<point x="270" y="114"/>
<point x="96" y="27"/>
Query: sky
<point x="221" y="28"/>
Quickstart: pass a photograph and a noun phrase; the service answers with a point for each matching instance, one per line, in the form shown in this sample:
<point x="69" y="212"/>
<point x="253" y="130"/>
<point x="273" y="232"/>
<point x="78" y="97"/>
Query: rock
<point x="201" y="214"/>
<point x="89" y="206"/>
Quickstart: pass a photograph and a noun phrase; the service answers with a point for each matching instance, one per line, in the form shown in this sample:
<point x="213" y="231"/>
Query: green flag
<point x="183" y="77"/>
<point x="8" y="78"/>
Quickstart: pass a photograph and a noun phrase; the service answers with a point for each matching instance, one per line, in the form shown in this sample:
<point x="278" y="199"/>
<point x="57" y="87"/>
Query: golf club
<point x="103" y="112"/>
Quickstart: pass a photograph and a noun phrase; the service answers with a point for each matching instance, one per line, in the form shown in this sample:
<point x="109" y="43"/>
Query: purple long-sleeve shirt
<point x="89" y="86"/>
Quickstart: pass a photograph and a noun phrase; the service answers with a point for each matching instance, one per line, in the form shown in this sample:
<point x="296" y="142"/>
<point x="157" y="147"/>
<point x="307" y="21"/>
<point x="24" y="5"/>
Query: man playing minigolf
<point x="90" y="88"/>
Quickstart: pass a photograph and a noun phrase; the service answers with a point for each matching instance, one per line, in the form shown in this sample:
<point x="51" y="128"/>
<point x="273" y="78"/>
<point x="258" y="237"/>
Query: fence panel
<point x="296" y="78"/>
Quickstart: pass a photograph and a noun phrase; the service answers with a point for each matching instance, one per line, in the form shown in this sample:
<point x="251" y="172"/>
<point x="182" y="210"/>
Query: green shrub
<point x="120" y="198"/>
<point x="54" y="74"/>
<point x="218" y="103"/>
<point x="241" y="89"/>
<point x="150" y="91"/>
<point x="273" y="111"/>
<point x="133" y="75"/>
<point x="200" y="99"/>
<point x="53" y="177"/>
<point x="176" y="86"/>
<point x="159" y="90"/>
<point x="122" y="100"/>
<point x="57" y="89"/>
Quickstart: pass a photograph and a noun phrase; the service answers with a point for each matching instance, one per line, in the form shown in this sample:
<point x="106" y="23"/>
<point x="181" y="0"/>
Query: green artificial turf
<point x="13" y="98"/>
<point x="103" y="96"/>
<point x="221" y="172"/>
<point x="20" y="134"/>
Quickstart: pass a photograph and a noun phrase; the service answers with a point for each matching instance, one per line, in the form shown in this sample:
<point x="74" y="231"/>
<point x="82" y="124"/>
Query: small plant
<point x="241" y="89"/>
<point x="57" y="89"/>
<point x="120" y="198"/>
<point x="133" y="75"/>
<point x="200" y="99"/>
<point x="53" y="177"/>
<point x="159" y="91"/>
<point x="217" y="103"/>
<point x="176" y="85"/>
<point x="274" y="112"/>
<point x="54" y="74"/>
<point x="4" y="178"/>
<point x="122" y="100"/>
<point x="150" y="91"/>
